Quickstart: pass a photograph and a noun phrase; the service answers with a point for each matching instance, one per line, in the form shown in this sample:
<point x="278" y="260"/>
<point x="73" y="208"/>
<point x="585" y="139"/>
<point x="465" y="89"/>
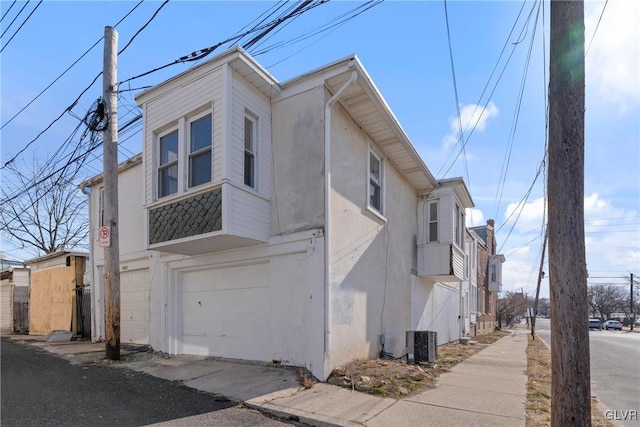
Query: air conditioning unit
<point x="422" y="346"/>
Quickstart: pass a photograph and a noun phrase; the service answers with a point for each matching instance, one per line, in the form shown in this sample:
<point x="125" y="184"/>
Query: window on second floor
<point x="101" y="206"/>
<point x="200" y="151"/>
<point x="185" y="154"/>
<point x="458" y="226"/>
<point x="168" y="165"/>
<point x="492" y="273"/>
<point x="250" y="145"/>
<point x="375" y="182"/>
<point x="433" y="221"/>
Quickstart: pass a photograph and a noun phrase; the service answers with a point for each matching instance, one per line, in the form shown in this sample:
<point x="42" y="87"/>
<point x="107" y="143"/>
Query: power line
<point x="597" y="25"/>
<point x="21" y="25"/>
<point x="144" y="26"/>
<point x="68" y="68"/>
<point x="7" y="11"/>
<point x="455" y="89"/>
<point x="14" y="19"/>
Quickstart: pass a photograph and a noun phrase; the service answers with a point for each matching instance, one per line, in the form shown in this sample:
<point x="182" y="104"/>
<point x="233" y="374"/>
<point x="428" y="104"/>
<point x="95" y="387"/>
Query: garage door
<point x="226" y="312"/>
<point x="134" y="306"/>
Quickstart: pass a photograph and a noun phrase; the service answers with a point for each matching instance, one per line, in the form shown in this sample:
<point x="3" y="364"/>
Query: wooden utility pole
<point x="631" y="311"/>
<point x="571" y="377"/>
<point x="110" y="146"/>
<point x="540" y="275"/>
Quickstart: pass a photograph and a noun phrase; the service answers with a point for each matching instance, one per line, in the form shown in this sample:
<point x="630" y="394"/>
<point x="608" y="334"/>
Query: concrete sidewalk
<point x="488" y="389"/>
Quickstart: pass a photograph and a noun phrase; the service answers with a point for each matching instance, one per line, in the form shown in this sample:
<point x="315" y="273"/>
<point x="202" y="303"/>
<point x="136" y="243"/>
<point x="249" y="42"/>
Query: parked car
<point x="613" y="324"/>
<point x="595" y="324"/>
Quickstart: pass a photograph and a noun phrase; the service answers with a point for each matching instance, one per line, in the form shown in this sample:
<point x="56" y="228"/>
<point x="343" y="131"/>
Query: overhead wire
<point x="14" y="19"/>
<point x="7" y="11"/>
<point x="68" y="68"/>
<point x="597" y="26"/>
<point x="455" y="89"/>
<point x="73" y="104"/>
<point x="21" y="25"/>
<point x="490" y="96"/>
<point x="516" y="115"/>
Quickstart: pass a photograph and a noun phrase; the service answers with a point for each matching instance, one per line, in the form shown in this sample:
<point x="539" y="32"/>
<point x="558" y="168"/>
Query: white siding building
<point x="289" y="222"/>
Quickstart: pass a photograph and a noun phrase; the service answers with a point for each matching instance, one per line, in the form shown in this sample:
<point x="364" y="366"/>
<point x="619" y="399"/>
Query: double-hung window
<point x="375" y="182"/>
<point x="459" y="226"/>
<point x="168" y="165"/>
<point x="250" y="143"/>
<point x="433" y="221"/>
<point x="200" y="151"/>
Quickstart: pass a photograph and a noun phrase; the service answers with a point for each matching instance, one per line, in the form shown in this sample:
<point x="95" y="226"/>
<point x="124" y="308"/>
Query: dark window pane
<point x="374" y="195"/>
<point x="433" y="212"/>
<point x="374" y="168"/>
<point x="201" y="133"/>
<point x="169" y="148"/>
<point x="433" y="231"/>
<point x="248" y="134"/>
<point x="200" y="169"/>
<point x="168" y="181"/>
<point x="248" y="169"/>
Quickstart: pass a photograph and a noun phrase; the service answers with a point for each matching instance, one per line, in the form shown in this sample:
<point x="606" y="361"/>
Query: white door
<point x="134" y="306"/>
<point x="226" y="312"/>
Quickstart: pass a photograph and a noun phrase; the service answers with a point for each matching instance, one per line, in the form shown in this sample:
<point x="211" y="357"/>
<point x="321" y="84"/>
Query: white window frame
<point x="380" y="184"/>
<point x="434" y="221"/>
<point x="458" y="225"/>
<point x="200" y="152"/>
<point x="252" y="151"/>
<point x="182" y="126"/>
<point x="160" y="166"/>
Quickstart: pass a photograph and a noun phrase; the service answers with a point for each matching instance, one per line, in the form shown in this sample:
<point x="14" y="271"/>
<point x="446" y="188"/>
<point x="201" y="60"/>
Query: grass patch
<point x="538" y="406"/>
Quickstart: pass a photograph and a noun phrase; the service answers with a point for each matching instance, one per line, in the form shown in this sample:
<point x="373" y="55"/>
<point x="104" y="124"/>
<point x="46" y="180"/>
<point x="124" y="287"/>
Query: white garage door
<point x="134" y="306"/>
<point x="226" y="312"/>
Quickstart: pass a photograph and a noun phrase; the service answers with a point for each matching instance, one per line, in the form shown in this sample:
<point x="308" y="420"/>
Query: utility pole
<point x="632" y="312"/>
<point x="570" y="371"/>
<point x="540" y="276"/>
<point x="110" y="146"/>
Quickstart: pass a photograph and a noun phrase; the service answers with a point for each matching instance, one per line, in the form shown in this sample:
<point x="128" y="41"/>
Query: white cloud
<point x="475" y="217"/>
<point x="612" y="61"/>
<point x="529" y="217"/>
<point x="471" y="116"/>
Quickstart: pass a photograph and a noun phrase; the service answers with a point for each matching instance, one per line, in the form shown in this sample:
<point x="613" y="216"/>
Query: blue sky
<point x="404" y="47"/>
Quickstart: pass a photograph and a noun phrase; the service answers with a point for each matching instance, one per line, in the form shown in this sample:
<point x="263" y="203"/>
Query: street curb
<point x="314" y="419"/>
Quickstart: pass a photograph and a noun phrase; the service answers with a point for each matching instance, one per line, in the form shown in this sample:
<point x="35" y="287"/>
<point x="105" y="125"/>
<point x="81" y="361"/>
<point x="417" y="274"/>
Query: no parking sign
<point x="105" y="236"/>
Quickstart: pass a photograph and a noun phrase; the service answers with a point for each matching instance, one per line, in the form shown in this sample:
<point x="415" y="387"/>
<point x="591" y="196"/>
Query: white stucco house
<point x="289" y="222"/>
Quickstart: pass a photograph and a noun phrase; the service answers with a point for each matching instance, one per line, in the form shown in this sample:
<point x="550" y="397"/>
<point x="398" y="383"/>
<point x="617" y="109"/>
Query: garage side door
<point x="226" y="312"/>
<point x="134" y="308"/>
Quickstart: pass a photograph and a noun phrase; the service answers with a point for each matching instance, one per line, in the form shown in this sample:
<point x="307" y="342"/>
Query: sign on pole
<point x="105" y="236"/>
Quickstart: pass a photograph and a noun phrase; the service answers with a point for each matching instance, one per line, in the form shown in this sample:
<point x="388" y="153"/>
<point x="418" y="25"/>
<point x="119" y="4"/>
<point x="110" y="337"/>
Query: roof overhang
<point x="127" y="164"/>
<point x="460" y="189"/>
<point x="237" y="58"/>
<point x="54" y="255"/>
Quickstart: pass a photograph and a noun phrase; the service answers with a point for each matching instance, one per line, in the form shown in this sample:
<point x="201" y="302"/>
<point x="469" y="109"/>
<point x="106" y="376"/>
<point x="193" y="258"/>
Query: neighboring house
<point x="469" y="294"/>
<point x="55" y="279"/>
<point x="489" y="276"/>
<point x="134" y="258"/>
<point x="289" y="222"/>
<point x="14" y="299"/>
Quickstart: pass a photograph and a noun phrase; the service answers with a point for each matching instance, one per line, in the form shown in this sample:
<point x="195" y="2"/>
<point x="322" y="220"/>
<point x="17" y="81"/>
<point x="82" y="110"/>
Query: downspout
<point x="327" y="205"/>
<point x="87" y="192"/>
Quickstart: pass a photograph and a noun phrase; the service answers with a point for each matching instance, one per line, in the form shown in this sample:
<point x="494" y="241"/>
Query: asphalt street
<point x="38" y="388"/>
<point x="615" y="370"/>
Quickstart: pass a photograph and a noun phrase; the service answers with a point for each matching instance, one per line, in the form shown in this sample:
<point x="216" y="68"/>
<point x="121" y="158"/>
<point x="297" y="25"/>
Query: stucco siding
<point x="371" y="257"/>
<point x="298" y="155"/>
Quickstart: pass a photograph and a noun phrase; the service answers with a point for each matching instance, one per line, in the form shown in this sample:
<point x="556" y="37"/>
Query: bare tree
<point x="511" y="305"/>
<point x="42" y="210"/>
<point x="606" y="298"/>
